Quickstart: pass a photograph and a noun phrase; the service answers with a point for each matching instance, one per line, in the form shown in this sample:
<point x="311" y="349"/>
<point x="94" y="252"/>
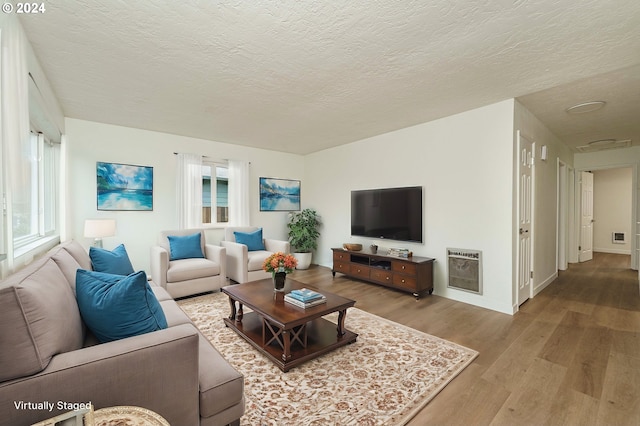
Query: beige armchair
<point x="243" y="264"/>
<point x="182" y="274"/>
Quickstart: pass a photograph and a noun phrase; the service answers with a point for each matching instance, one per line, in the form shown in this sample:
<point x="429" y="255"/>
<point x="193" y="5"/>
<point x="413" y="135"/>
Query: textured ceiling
<point x="301" y="76"/>
<point x="619" y="120"/>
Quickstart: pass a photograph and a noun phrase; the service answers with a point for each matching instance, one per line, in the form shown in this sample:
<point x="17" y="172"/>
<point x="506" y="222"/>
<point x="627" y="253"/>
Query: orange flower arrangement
<point x="280" y="262"/>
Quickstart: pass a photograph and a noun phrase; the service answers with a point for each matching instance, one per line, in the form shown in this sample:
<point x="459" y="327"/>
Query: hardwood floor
<point x="571" y="356"/>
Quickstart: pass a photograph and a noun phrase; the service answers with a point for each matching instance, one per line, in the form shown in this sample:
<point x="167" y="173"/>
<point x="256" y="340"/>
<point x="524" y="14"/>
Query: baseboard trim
<point x="538" y="288"/>
<point x="612" y="251"/>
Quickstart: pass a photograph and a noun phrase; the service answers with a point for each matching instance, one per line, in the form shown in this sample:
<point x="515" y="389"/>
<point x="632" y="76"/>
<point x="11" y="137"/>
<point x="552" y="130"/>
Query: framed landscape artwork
<point x="278" y="195"/>
<point x="124" y="187"/>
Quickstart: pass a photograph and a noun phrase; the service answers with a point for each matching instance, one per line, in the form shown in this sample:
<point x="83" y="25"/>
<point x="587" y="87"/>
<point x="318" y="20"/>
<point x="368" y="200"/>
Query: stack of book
<point x="304" y="298"/>
<point x="400" y="252"/>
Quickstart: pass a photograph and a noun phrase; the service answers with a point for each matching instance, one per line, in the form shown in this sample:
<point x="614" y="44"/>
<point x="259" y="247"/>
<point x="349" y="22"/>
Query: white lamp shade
<point x="99" y="228"/>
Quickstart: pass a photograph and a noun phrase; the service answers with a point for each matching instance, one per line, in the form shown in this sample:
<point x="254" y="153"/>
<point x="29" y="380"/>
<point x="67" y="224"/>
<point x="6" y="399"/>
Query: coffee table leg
<point x="286" y="338"/>
<point x="341" y="316"/>
<point x="235" y="315"/>
<point x="232" y="303"/>
<point x="240" y="313"/>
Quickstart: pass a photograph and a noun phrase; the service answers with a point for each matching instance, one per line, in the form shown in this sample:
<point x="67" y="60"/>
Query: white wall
<point x="546" y="189"/>
<point x="464" y="162"/>
<point x="465" y="165"/>
<point x="89" y="142"/>
<point x="612" y="209"/>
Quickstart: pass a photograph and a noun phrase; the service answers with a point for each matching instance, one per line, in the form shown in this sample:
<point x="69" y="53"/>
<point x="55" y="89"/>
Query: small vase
<point x="278" y="280"/>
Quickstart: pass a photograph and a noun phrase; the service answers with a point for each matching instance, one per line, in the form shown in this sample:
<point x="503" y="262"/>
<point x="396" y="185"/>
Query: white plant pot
<point x="304" y="260"/>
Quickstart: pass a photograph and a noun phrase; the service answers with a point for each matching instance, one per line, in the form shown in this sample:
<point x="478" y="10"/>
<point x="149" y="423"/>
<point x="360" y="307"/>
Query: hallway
<point x="604" y="282"/>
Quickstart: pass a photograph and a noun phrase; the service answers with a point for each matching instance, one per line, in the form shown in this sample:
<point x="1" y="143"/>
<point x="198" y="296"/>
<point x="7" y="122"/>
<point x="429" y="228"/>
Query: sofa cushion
<point x="256" y="259"/>
<point x="185" y="246"/>
<point x="190" y="269"/>
<point x="221" y="385"/>
<point x="78" y="252"/>
<point x="161" y="293"/>
<point x="115" y="307"/>
<point x="115" y="261"/>
<point x="39" y="318"/>
<point x="68" y="265"/>
<point x="173" y="313"/>
<point x="253" y="240"/>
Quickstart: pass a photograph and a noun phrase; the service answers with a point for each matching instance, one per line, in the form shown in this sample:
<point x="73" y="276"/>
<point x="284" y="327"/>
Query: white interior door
<point x="525" y="218"/>
<point x="586" y="217"/>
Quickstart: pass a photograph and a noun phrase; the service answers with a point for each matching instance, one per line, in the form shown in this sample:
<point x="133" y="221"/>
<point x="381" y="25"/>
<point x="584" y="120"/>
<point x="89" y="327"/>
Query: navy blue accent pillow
<point x="115" y="261"/>
<point x="185" y="247"/>
<point x="253" y="240"/>
<point x="114" y="307"/>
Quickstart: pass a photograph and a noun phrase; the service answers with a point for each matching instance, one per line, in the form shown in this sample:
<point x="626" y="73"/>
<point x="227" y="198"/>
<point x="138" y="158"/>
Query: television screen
<point x="389" y="213"/>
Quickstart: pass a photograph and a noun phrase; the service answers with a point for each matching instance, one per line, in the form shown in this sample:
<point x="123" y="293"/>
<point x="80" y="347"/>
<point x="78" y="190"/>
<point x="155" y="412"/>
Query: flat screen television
<point x="389" y="213"/>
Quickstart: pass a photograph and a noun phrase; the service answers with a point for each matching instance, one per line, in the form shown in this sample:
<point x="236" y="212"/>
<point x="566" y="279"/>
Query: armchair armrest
<point x="277" y="245"/>
<point x="159" y="264"/>
<point x="157" y="370"/>
<point x="237" y="260"/>
<point x="219" y="255"/>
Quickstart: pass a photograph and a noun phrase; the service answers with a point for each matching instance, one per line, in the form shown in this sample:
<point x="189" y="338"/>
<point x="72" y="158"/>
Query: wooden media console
<point x="413" y="274"/>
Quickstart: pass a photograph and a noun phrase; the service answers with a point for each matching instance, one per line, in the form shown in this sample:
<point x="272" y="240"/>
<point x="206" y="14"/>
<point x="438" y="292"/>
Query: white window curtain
<point x="15" y="119"/>
<point x="239" y="213"/>
<point x="189" y="190"/>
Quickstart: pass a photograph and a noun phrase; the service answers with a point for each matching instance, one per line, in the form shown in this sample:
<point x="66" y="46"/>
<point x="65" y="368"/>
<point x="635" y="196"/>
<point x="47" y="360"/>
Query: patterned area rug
<point x="384" y="378"/>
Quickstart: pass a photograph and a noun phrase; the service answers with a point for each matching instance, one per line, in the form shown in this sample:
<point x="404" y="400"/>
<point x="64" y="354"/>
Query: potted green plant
<point x="303" y="235"/>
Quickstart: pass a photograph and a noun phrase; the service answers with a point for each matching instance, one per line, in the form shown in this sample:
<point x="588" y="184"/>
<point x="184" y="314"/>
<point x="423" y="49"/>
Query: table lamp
<point x="98" y="229"/>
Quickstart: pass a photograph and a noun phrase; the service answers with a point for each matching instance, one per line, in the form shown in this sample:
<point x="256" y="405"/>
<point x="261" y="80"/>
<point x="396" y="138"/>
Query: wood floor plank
<point x="531" y="402"/>
<point x="572" y="408"/>
<point x="586" y="371"/>
<point x="554" y="311"/>
<point x="620" y="402"/>
<point x="626" y="343"/>
<point x="627" y="320"/>
<point x="611" y="296"/>
<point x="606" y="316"/>
<point x="561" y="345"/>
<point x="465" y="403"/>
<point x="496" y="335"/>
<point x="515" y="361"/>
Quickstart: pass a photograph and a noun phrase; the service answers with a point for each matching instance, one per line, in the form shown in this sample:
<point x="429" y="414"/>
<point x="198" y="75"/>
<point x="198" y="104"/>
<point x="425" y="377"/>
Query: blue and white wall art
<point x="124" y="187"/>
<point x="279" y="195"/>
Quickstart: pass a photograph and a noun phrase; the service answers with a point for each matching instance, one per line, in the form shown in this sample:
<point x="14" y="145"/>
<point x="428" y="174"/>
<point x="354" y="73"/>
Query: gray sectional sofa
<point x="47" y="355"/>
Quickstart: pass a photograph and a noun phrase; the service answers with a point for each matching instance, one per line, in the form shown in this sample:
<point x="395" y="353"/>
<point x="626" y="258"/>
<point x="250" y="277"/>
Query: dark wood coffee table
<point x="286" y="334"/>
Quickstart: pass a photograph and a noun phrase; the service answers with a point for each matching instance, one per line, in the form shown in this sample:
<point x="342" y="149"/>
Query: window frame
<point x="214" y="165"/>
<point x="40" y="230"/>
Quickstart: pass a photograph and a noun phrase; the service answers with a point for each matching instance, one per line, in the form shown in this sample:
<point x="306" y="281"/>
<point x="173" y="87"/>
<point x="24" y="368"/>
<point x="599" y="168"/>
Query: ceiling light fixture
<point x="586" y="107"/>
<point x="602" y="142"/>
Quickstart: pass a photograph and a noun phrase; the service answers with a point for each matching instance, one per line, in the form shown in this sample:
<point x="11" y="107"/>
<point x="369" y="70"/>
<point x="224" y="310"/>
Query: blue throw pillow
<point x="253" y="240"/>
<point x="111" y="262"/>
<point x="114" y="307"/>
<point x="185" y="247"/>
